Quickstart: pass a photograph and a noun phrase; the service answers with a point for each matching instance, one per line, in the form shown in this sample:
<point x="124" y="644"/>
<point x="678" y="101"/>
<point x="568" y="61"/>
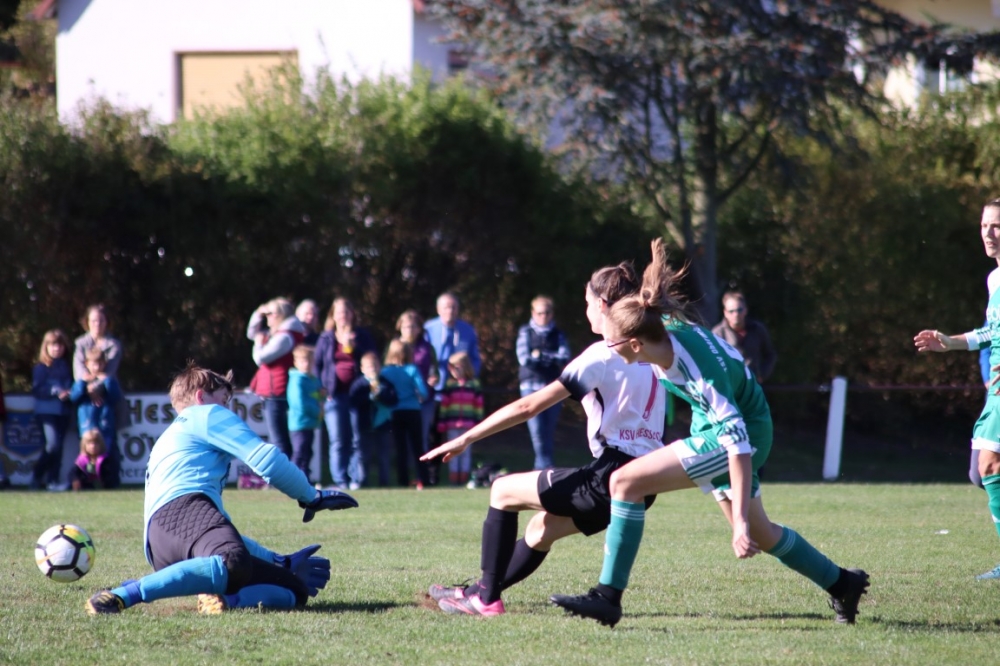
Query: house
<point x="172" y="57"/>
<point x="944" y="72"/>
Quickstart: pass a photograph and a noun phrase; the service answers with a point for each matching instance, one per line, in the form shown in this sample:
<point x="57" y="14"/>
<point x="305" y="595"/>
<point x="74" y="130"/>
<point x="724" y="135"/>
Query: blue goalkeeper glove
<point x="327" y="500"/>
<point x="314" y="572"/>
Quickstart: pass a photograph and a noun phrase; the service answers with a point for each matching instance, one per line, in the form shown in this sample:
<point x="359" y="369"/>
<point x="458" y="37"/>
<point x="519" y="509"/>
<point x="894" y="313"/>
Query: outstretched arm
<point x="936" y="341"/>
<point x="516" y="412"/>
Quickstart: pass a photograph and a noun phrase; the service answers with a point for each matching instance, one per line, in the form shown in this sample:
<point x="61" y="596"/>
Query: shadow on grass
<point x="364" y="607"/>
<point x="933" y="626"/>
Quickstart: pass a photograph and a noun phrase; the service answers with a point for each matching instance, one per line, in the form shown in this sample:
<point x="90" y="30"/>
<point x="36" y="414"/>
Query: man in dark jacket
<point x="748" y="336"/>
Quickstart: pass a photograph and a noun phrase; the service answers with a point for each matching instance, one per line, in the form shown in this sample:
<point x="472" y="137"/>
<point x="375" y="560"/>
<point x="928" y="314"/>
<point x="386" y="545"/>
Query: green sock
<point x="621" y="544"/>
<point x="799" y="555"/>
<point x="992" y="486"/>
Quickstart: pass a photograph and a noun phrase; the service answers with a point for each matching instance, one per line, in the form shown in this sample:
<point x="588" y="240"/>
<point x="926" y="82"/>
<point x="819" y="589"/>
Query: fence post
<point x="835" y="429"/>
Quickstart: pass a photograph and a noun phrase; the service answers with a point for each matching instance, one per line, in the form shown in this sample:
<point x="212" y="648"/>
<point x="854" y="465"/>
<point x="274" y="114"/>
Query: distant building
<point x="942" y="73"/>
<point x="171" y="57"/>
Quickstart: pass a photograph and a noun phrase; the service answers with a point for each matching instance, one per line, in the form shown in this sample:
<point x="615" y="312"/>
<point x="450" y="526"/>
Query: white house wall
<point x="126" y="50"/>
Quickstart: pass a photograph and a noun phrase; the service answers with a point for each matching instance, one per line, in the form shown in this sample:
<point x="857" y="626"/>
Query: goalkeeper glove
<point x="328" y="500"/>
<point x="314" y="572"/>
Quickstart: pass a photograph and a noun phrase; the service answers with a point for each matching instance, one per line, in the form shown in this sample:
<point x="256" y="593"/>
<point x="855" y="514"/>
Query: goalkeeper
<point x="189" y="540"/>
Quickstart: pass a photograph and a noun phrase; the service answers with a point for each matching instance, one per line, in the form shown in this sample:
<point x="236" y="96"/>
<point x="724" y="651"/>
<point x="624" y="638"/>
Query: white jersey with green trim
<point x="990" y="333"/>
<point x="712" y="377"/>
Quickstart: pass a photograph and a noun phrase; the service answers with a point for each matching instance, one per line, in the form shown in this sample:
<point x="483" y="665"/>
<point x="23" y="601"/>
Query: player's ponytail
<point x="642" y="315"/>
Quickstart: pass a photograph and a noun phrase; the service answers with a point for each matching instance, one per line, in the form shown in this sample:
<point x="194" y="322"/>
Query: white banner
<point x="150" y="414"/>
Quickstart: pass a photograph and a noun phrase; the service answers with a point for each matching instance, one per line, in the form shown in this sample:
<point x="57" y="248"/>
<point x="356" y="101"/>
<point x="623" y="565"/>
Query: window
<point x="213" y="79"/>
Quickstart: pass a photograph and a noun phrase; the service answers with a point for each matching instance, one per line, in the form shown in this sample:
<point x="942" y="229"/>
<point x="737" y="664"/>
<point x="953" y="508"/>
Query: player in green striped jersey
<point x="986" y="433"/>
<point x="731" y="435"/>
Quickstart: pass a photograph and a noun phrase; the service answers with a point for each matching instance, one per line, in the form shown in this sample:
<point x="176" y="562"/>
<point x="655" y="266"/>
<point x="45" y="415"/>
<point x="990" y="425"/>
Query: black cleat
<point x="593" y="604"/>
<point x="104" y="603"/>
<point x="846" y="606"/>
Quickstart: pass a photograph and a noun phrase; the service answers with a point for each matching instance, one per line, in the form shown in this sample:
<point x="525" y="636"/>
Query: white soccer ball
<point x="65" y="553"/>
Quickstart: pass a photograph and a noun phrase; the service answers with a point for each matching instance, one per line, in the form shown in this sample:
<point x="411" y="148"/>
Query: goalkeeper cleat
<point x="104" y="603"/>
<point x="992" y="574"/>
<point x="212" y="604"/>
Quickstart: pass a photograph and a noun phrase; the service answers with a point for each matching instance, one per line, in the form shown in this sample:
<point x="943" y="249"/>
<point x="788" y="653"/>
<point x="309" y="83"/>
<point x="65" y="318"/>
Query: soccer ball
<point x="65" y="553"/>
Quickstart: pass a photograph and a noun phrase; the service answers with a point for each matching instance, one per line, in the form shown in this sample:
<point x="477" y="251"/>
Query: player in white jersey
<point x="626" y="411"/>
<point x="986" y="433"/>
<point x="731" y="434"/>
<point x="188" y="538"/>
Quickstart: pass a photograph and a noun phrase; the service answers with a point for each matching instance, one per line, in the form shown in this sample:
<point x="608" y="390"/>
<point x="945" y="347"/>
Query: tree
<point x="681" y="99"/>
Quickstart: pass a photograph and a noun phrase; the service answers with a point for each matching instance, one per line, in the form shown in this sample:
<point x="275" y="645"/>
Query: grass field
<point x="691" y="601"/>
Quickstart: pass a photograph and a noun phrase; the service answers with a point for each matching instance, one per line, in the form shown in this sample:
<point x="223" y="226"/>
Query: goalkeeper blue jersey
<point x="194" y="453"/>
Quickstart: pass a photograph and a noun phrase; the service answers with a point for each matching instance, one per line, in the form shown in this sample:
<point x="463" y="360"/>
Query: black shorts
<point x="583" y="493"/>
<point x="187" y="527"/>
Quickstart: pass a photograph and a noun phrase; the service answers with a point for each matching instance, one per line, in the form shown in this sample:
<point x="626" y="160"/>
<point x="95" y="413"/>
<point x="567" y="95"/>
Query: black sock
<point x="523" y="563"/>
<point x="837" y="589"/>
<point x="612" y="594"/>
<point x="499" y="535"/>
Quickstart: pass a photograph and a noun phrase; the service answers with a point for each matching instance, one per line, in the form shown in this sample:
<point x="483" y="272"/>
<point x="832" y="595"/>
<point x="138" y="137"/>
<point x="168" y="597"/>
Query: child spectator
<point x="411" y="390"/>
<point x="91" y="471"/>
<point x="51" y="381"/>
<point x="304" y="394"/>
<point x="375" y="396"/>
<point x="96" y="400"/>
<point x="461" y="408"/>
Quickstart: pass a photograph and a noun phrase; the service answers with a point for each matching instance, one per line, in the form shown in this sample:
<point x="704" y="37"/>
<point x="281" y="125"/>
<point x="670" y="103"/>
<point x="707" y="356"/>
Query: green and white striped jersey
<point x="711" y="376"/>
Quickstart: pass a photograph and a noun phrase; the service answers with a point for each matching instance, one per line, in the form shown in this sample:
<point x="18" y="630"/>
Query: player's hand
<point x="313" y="571"/>
<point x="743" y="545"/>
<point x="931" y="341"/>
<point x="327" y="500"/>
<point x="448" y="450"/>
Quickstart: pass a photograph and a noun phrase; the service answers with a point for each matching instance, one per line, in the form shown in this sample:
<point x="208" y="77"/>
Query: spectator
<point x="411" y="390"/>
<point x="96" y="401"/>
<point x="96" y="325"/>
<point x="304" y="397"/>
<point x="748" y="336"/>
<point x="338" y="354"/>
<point x="542" y="353"/>
<point x="461" y="408"/>
<point x="275" y="332"/>
<point x="307" y="312"/>
<point x="51" y="381"/>
<point x="411" y="331"/>
<point x="91" y="470"/>
<point x="375" y="397"/>
<point x="449" y="334"/>
<point x="4" y="479"/>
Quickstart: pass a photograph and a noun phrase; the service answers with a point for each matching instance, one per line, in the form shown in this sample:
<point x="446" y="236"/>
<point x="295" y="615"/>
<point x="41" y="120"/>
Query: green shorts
<point x="986" y="433"/>
<point x="706" y="461"/>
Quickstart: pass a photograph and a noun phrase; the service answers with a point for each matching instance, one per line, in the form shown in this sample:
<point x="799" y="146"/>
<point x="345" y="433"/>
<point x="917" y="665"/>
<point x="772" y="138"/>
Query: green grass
<point x="691" y="601"/>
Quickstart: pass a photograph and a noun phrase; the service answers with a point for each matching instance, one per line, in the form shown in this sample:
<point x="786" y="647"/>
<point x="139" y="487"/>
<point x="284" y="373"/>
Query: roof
<point x="47" y="9"/>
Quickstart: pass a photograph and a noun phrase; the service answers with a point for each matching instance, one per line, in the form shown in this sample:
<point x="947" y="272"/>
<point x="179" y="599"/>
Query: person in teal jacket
<point x="304" y="394"/>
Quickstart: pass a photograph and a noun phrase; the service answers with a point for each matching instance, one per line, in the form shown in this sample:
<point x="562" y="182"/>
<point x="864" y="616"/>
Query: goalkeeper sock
<point x="992" y="486"/>
<point x="267" y="596"/>
<point x="200" y="575"/>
